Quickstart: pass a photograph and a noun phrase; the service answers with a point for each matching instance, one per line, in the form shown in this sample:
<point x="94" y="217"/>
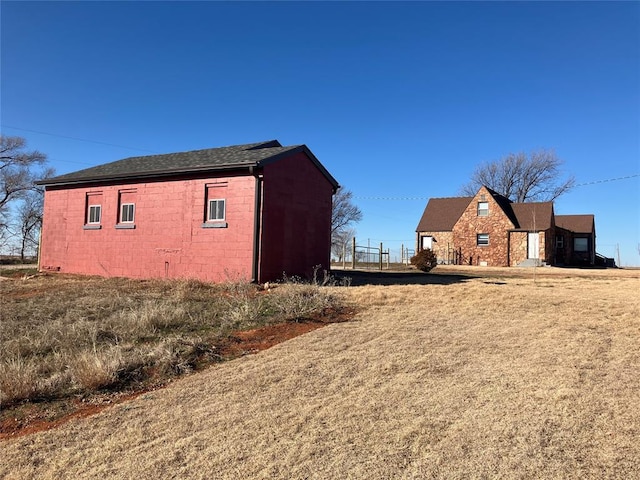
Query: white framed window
<point x="482" y="239"/>
<point x="483" y="209"/>
<point x="94" y="214"/>
<point x="127" y="212"/>
<point x="580" y="244"/>
<point x="216" y="210"/>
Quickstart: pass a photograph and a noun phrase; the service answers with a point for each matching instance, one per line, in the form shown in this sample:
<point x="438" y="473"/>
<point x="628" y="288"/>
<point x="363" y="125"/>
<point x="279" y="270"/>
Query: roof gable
<point x="210" y="159"/>
<point x="441" y="214"/>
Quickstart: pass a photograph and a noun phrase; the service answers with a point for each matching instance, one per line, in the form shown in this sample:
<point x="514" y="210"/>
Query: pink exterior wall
<point x="296" y="226"/>
<point x="168" y="239"/>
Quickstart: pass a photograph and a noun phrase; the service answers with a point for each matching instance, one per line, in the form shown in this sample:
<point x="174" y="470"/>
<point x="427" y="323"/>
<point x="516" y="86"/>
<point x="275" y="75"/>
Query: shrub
<point x="424" y="260"/>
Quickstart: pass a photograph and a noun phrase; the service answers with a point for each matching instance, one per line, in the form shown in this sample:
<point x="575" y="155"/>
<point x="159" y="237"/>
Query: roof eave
<point x="147" y="175"/>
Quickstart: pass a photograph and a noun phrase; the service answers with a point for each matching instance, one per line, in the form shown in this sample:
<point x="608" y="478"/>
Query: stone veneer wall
<point x="442" y="246"/>
<point x="496" y="224"/>
<point x="518" y="248"/>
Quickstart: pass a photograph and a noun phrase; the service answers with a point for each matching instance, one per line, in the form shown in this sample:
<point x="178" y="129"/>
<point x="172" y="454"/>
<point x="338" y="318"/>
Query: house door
<point x="427" y="243"/>
<point x="534" y="245"/>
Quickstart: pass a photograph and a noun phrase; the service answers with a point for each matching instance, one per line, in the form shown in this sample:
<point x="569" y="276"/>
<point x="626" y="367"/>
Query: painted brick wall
<point x="496" y="224"/>
<point x="168" y="239"/>
<point x="296" y="227"/>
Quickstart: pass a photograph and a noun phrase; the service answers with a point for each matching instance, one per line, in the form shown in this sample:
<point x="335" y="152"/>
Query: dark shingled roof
<point x="210" y="159"/>
<point x="534" y="216"/>
<point x="576" y="223"/>
<point x="441" y="214"/>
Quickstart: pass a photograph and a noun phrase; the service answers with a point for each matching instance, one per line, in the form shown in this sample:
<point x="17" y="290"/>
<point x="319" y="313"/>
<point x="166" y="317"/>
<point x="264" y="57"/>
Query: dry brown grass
<point x="64" y="335"/>
<point x="501" y="376"/>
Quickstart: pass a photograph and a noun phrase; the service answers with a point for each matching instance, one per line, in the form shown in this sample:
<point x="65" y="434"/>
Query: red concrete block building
<point x="245" y="212"/>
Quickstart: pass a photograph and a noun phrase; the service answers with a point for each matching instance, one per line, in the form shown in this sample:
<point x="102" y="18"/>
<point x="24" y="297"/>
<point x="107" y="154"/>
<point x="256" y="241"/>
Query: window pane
<point x="94" y="214"/>
<point x="483" y="239"/>
<point x="216" y="209"/>
<point x="127" y="212"/>
<point x="483" y="209"/>
<point x="581" y="244"/>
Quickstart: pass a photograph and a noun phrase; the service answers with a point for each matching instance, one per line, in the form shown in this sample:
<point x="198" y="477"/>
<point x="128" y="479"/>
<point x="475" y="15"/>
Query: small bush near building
<point x="424" y="260"/>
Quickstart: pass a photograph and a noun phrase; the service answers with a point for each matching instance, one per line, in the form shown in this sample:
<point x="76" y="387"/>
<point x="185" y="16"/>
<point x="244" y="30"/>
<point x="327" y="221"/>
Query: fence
<point x="369" y="257"/>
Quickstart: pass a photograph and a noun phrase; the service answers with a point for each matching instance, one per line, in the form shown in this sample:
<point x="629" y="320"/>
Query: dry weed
<point x="63" y="334"/>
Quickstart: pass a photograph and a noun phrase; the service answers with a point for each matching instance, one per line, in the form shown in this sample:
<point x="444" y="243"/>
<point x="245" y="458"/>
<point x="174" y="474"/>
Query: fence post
<point x="380" y="256"/>
<point x="353" y="253"/>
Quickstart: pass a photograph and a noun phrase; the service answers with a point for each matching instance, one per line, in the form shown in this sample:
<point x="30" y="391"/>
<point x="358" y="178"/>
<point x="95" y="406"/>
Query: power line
<point x="78" y="139"/>
<point x="594" y="182"/>
<point x="390" y="198"/>
<point x="608" y="180"/>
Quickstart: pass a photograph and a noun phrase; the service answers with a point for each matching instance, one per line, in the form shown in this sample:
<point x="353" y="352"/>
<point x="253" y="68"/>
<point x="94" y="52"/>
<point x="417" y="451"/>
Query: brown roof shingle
<point x="534" y="216"/>
<point x="441" y="214"/>
<point x="576" y="223"/>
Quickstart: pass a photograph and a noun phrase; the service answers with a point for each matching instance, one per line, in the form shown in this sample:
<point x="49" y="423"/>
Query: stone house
<point x="489" y="229"/>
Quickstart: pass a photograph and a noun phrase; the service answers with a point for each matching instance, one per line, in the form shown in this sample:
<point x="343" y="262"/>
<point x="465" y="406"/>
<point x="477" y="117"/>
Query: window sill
<point x="92" y="227"/>
<point x="215" y="225"/>
<point x="125" y="226"/>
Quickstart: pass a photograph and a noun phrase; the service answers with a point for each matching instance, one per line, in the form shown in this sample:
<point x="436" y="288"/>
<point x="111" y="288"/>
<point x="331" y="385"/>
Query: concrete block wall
<point x="166" y="239"/>
<point x="296" y="213"/>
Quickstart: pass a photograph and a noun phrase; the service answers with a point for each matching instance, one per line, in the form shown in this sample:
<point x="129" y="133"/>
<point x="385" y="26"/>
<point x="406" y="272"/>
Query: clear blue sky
<point x="398" y="100"/>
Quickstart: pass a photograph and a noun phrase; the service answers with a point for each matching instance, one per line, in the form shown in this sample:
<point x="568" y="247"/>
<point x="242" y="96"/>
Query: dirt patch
<point x="32" y="417"/>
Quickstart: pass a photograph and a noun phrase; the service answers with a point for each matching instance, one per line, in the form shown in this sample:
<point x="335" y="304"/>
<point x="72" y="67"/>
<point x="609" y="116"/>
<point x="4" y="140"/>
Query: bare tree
<point x="29" y="222"/>
<point x="521" y="177"/>
<point x="341" y="241"/>
<point x="344" y="214"/>
<point x="18" y="171"/>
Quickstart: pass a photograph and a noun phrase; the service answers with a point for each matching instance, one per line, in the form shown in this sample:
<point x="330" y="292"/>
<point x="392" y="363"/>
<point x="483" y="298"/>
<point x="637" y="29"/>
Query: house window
<point x="94" y="214"/>
<point x="127" y="211"/>
<point x="483" y="209"/>
<point x="216" y="210"/>
<point x="559" y="242"/>
<point x="93" y="211"/>
<point x="580" y="244"/>
<point x="482" y="239"/>
<point x="126" y="208"/>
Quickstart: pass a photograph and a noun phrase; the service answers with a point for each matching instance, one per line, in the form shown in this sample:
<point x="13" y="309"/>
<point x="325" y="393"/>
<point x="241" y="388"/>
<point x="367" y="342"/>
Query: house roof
<point x="533" y="216"/>
<point x="441" y="214"/>
<point x="210" y="159"/>
<point x="576" y="223"/>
